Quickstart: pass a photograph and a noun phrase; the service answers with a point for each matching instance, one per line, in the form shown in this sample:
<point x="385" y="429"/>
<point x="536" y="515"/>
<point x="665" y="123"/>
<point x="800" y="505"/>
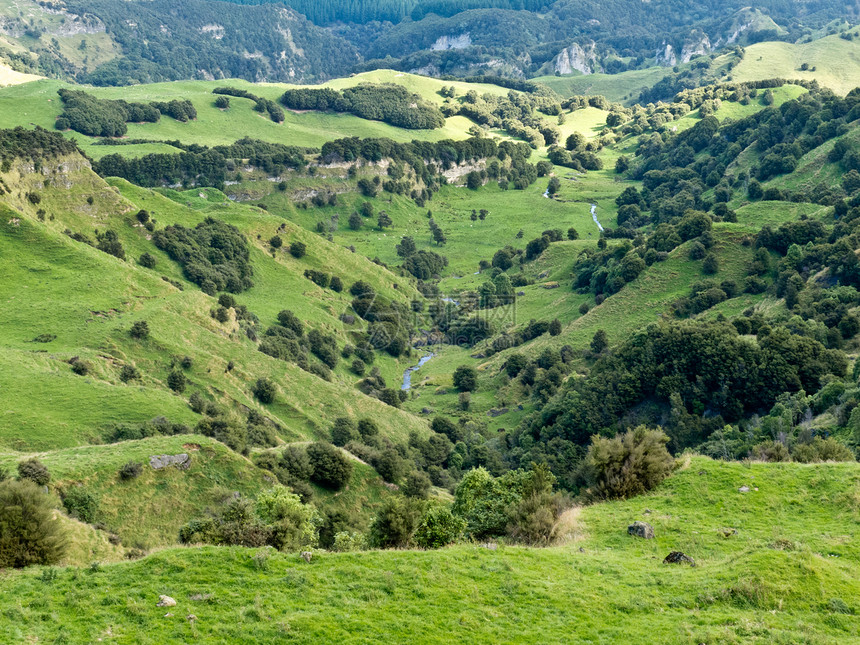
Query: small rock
<point x="676" y="557"/>
<point x="647" y="511"/>
<point x="744" y="489"/>
<point x="168" y="615"/>
<point x="521" y="293"/>
<point x="492" y="546"/>
<point x="165" y="601"/>
<point x="728" y="532"/>
<point x="581" y="550"/>
<point x="181" y="461"/>
<point x="493" y="412"/>
<point x="191" y="617"/>
<point x="307" y="555"/>
<point x="426" y="411"/>
<point x="642" y="530"/>
<point x="200" y="596"/>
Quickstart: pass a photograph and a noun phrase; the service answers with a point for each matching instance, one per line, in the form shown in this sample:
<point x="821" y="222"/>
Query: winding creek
<point x="594" y="216"/>
<point x="407" y="375"/>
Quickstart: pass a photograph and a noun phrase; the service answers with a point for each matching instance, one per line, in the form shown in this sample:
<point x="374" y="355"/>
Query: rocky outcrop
<point x="578" y="58"/>
<point x="666" y="55"/>
<point x="697" y="44"/>
<point x="181" y="461"/>
<point x="642" y="530"/>
<point x="452" y="42"/>
<point x="676" y="557"/>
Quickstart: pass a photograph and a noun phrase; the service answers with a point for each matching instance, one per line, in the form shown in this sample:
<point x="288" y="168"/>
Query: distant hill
<point x="102" y="42"/>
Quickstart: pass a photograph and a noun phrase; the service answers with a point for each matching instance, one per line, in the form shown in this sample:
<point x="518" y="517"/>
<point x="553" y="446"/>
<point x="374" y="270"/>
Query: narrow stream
<point x="407" y="375"/>
<point x="594" y="216"/>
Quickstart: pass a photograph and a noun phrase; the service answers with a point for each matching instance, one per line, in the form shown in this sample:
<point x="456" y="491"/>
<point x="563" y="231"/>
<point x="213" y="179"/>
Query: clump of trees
<point x="213" y="254"/>
<point x="390" y="103"/>
<point x="88" y="115"/>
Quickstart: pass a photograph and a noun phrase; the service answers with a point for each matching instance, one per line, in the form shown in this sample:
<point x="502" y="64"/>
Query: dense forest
<point x="248" y="43"/>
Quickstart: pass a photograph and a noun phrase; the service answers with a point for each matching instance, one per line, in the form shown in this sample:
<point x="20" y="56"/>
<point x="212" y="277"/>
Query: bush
<point x="438" y="528"/>
<point x="395" y="523"/>
<point x="131" y="470"/>
<point x="128" y="373"/>
<point x="139" y="330"/>
<point x="264" y="389"/>
<point x="81" y="504"/>
<point x="176" y="381"/>
<point x="466" y="378"/>
<point x="417" y="485"/>
<point x="147" y="261"/>
<point x="822" y="450"/>
<point x="389" y="465"/>
<point x="276" y="242"/>
<point x="627" y="465"/>
<point x="367" y="428"/>
<point x="358" y="367"/>
<point x="343" y="431"/>
<point x="298" y="249"/>
<point x="330" y="467"/>
<point x="35" y="471"/>
<point x="79" y="367"/>
<point x="534" y="518"/>
<point x="29" y="532"/>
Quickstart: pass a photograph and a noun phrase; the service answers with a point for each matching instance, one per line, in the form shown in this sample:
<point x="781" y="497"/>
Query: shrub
<point x="343" y="431"/>
<point x="773" y="451"/>
<point x="81" y="504"/>
<point x="147" y="261"/>
<point x="298" y="249"/>
<point x="293" y="524"/>
<point x="344" y="541"/>
<point x="128" y="373"/>
<point x="139" y="330"/>
<point x="367" y="428"/>
<point x="466" y="378"/>
<point x="483" y="501"/>
<point x="822" y="450"/>
<point x="336" y="284"/>
<point x="438" y="528"/>
<point x="534" y="518"/>
<point x="79" y="367"/>
<point x="555" y="327"/>
<point x="276" y="242"/>
<point x="130" y="470"/>
<point x="264" y="389"/>
<point x="395" y="523"/>
<point x="29" y="532"/>
<point x="417" y="485"/>
<point x="176" y="381"/>
<point x="330" y="467"/>
<point x="35" y="471"/>
<point x="627" y="465"/>
<point x="358" y="367"/>
<point x="389" y="465"/>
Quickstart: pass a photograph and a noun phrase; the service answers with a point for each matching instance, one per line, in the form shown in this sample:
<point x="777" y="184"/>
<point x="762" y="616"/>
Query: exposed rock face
<point x="697" y="44"/>
<point x="578" y="58"/>
<point x="666" y="55"/>
<point x="452" y="42"/>
<point x="642" y="530"/>
<point x="181" y="461"/>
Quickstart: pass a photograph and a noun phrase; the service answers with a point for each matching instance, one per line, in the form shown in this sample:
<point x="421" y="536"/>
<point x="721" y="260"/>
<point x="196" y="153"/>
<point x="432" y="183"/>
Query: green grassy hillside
<point x="53" y="407"/>
<point x="775" y="564"/>
<point x="37" y="103"/>
<point x="836" y="62"/>
<point x="147" y="512"/>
